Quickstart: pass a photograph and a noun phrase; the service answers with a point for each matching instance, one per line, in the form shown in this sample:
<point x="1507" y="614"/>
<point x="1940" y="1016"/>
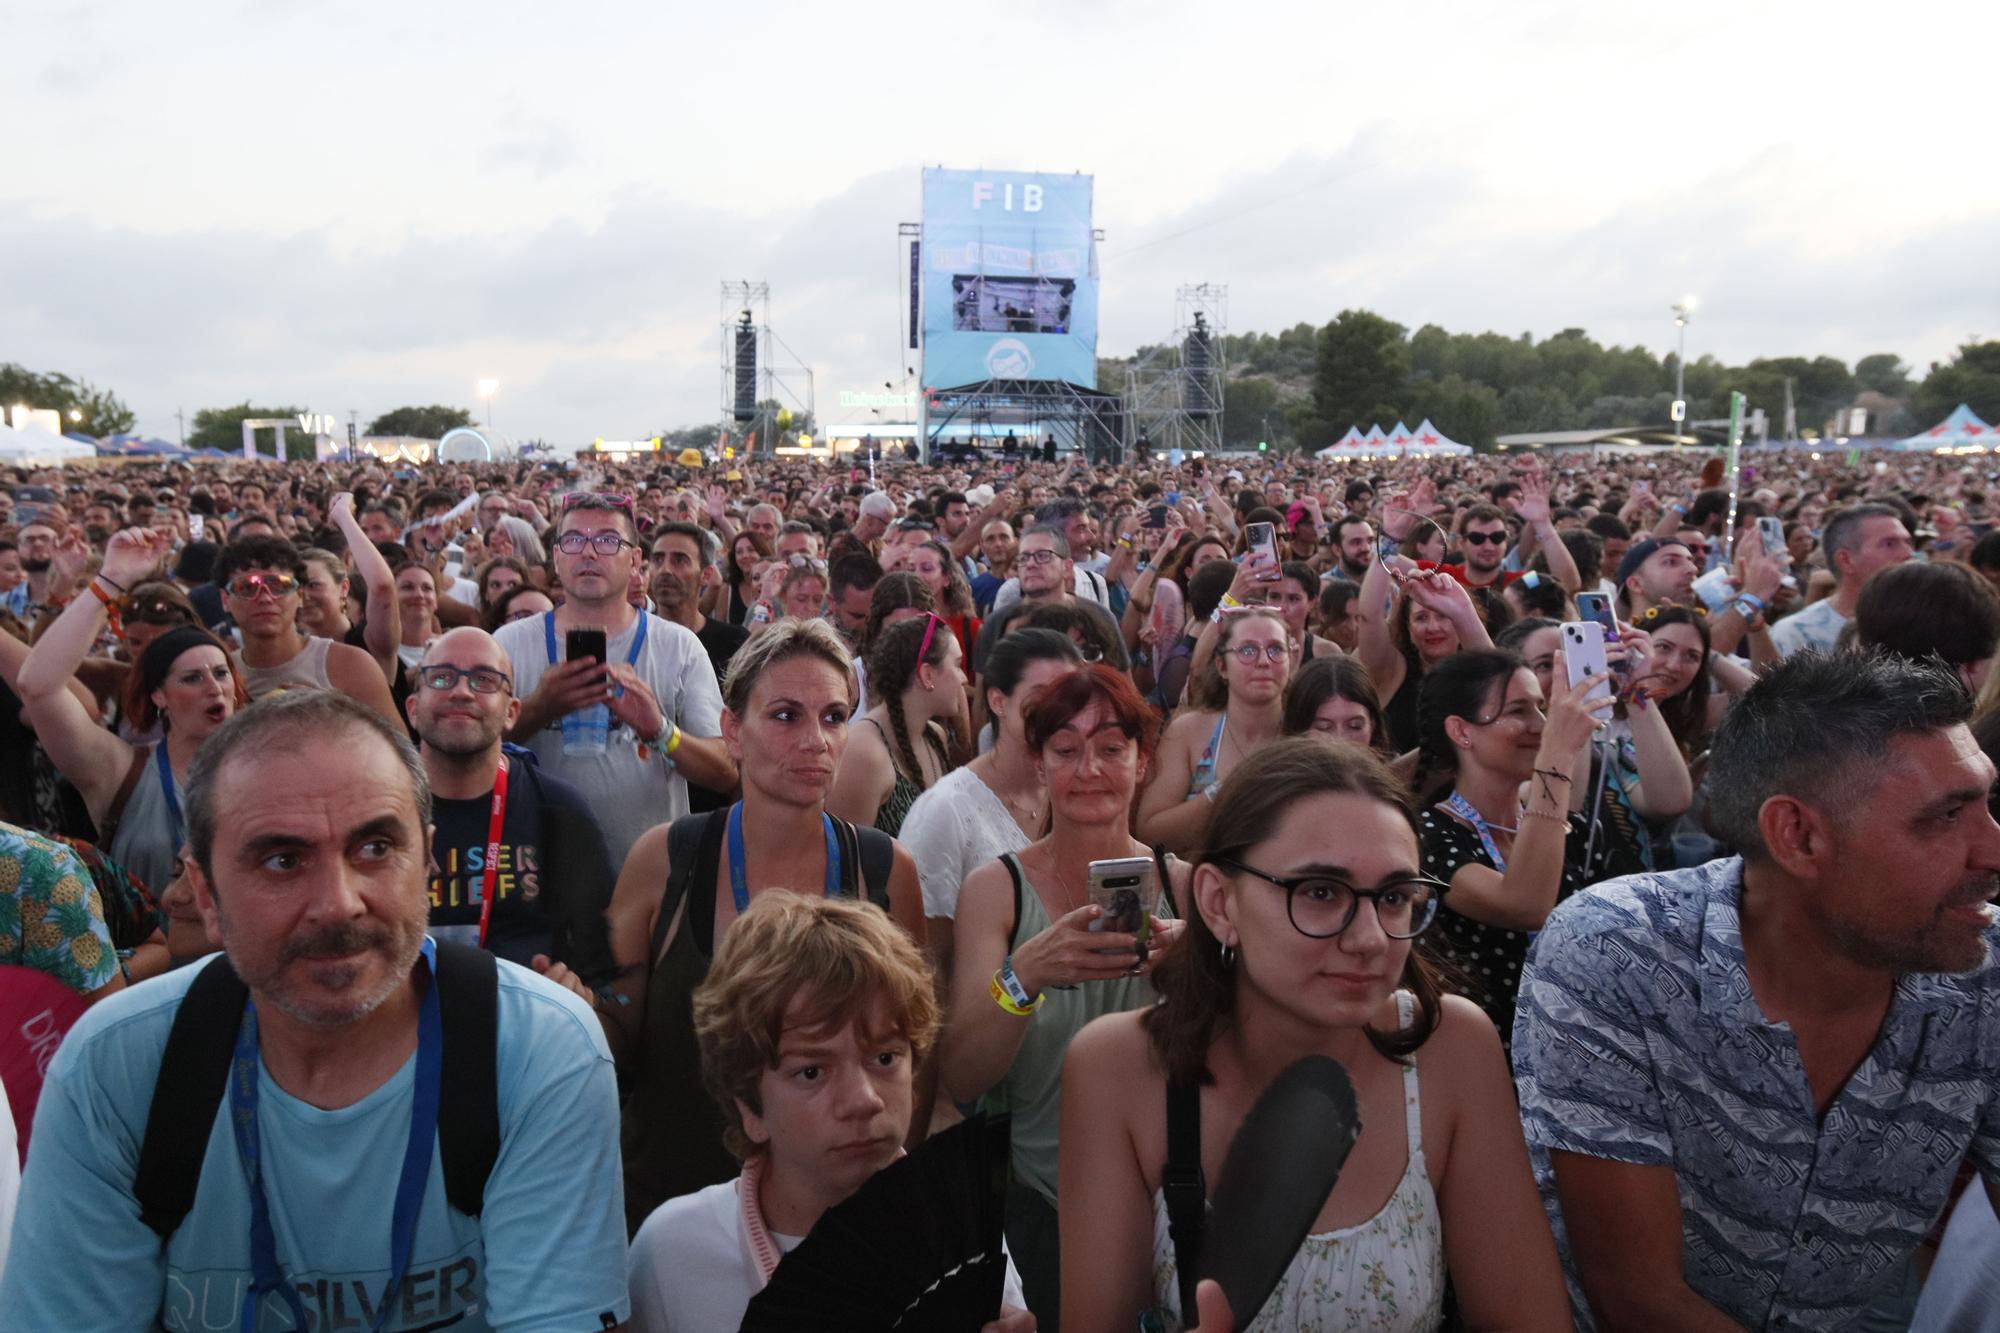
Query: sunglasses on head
<point x="248" y="586"/>
<point x="156" y="611"/>
<point x="597" y="500"/>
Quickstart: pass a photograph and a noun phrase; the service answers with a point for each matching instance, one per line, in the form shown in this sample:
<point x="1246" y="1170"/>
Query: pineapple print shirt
<point x="51" y="918"/>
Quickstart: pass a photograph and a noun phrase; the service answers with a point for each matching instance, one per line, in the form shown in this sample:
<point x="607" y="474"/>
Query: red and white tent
<point x="1347" y="446"/>
<point x="1961" y="432"/>
<point x="1428" y="439"/>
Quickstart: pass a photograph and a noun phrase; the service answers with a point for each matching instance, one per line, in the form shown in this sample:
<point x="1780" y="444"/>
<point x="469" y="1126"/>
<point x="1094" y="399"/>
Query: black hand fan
<point x="917" y="1248"/>
<point x="1281" y="1167"/>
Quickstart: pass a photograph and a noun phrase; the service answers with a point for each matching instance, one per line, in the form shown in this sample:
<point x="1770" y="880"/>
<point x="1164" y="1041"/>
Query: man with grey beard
<point x="415" y="1134"/>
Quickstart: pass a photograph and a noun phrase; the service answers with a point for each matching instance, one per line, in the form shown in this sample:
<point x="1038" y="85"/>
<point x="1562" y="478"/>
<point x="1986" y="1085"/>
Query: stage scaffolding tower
<point x="755" y="385"/>
<point x="1174" y="392"/>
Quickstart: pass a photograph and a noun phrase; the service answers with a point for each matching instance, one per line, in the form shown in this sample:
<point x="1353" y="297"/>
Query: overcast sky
<point x="362" y="205"/>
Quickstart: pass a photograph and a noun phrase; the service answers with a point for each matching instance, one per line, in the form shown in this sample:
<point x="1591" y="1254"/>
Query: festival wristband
<point x="1005" y="997"/>
<point x="1013" y="985"/>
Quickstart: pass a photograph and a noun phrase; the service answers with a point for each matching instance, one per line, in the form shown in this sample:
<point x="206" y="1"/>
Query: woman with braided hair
<point x="917" y="673"/>
<point x="896" y="597"/>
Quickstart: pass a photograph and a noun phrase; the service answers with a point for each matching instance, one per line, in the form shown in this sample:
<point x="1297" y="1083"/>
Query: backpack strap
<point x="877" y="858"/>
<point x="1184" y="1188"/>
<point x="468" y="982"/>
<point x="107" y="828"/>
<point x="688" y="847"/>
<point x="194" y="1071"/>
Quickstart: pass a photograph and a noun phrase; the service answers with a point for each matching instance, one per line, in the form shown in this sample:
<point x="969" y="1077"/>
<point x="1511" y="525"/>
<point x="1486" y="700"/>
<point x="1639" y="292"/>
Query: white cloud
<point x="369" y="204"/>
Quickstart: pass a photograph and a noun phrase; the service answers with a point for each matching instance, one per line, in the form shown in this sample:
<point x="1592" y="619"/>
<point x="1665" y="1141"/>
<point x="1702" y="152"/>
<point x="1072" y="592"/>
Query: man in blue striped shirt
<point x="1748" y="1086"/>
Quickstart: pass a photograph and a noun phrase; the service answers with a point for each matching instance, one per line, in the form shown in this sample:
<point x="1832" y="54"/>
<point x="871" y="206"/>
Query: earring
<point x="1228" y="957"/>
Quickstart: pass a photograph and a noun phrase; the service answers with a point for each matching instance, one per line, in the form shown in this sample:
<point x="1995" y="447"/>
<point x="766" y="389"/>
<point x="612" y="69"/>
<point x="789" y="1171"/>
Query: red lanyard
<point x="491" y="874"/>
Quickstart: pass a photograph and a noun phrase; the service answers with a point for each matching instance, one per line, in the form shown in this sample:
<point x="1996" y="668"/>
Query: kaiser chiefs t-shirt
<point x="553" y="876"/>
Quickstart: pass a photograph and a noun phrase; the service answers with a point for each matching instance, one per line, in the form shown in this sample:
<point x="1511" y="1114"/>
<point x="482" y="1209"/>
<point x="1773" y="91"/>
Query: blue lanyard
<point x="265" y="1273"/>
<point x="638" y="637"/>
<point x="1461" y="807"/>
<point x="739" y="883"/>
<point x="173" y="798"/>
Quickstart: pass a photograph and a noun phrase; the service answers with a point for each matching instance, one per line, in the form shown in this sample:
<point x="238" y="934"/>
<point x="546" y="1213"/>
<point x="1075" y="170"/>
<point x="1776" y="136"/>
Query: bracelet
<point x="1223" y="608"/>
<point x="1554" y="773"/>
<point x="673" y="741"/>
<point x="1756" y="602"/>
<point x="110" y="603"/>
<point x="1546" y="814"/>
<point x="113" y="582"/>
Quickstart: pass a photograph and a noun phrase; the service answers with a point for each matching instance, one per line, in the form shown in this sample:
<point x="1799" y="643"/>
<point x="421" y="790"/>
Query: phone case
<point x="1127" y="888"/>
<point x="1583" y="654"/>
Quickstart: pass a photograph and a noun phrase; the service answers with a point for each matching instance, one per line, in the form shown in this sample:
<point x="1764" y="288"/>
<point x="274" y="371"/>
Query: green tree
<point x="1972" y="378"/>
<point x="1464" y="409"/>
<point x="1361" y="371"/>
<point x="222" y="428"/>
<point x="425" y="423"/>
<point x="1883" y="372"/>
<point x="1247" y="405"/>
<point x="85" y="408"/>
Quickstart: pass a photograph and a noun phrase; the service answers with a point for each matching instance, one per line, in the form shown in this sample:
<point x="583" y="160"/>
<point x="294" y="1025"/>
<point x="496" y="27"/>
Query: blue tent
<point x="162" y="449"/>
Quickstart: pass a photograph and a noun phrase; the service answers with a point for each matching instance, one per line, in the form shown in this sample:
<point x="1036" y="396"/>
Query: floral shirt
<point x="51" y="917"/>
<point x="1639" y="1040"/>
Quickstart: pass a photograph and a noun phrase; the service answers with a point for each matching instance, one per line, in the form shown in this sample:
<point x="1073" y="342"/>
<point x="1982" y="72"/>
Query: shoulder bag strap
<point x="686" y="839"/>
<point x="107" y="828"/>
<point x="187" y="1093"/>
<point x="1184" y="1187"/>
<point x="1013" y="864"/>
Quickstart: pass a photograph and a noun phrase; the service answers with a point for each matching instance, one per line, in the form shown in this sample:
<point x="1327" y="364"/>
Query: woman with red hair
<point x="1029" y="971"/>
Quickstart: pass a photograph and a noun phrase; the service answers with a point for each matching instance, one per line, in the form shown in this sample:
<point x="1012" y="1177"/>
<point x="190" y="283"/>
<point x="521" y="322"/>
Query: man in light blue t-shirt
<point x="314" y="884"/>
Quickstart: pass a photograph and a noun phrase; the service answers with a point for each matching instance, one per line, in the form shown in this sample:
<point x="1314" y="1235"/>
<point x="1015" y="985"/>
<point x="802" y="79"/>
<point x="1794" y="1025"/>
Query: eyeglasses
<point x="245" y="587"/>
<point x="604" y="543"/>
<point x="1485" y="538"/>
<point x="1041" y="557"/>
<point x="1322" y="906"/>
<point x="1247" y="653"/>
<point x="442" y="676"/>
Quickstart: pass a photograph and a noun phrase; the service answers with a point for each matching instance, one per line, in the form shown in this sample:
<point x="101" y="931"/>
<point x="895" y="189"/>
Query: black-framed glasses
<point x="1247" y="653"/>
<point x="1322" y="906"/>
<point x="442" y="677"/>
<point x="1485" y="538"/>
<point x="1044" y="556"/>
<point x="604" y="543"/>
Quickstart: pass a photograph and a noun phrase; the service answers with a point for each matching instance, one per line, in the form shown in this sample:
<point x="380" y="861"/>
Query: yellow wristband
<point x="1006" y="1001"/>
<point x="673" y="741"/>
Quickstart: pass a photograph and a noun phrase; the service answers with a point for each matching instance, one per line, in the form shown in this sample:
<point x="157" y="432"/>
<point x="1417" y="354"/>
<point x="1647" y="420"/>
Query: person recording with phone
<point x="1500" y="810"/>
<point x="662" y="720"/>
<point x="1029" y="969"/>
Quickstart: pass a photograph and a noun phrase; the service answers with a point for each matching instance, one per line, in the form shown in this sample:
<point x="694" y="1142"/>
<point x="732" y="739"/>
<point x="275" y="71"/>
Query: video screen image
<point x="1010" y="305"/>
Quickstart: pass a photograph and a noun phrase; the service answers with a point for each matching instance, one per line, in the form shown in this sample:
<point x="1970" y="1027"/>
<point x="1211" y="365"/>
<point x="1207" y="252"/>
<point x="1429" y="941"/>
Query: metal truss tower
<point x="1174" y="392"/>
<point x="760" y="374"/>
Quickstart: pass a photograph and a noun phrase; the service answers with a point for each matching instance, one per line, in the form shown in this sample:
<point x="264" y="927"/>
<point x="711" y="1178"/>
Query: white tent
<point x="1373" y="443"/>
<point x="1344" y="447"/>
<point x="1428" y="439"/>
<point x="1960" y="433"/>
<point x="38" y="448"/>
<point x="1399" y="438"/>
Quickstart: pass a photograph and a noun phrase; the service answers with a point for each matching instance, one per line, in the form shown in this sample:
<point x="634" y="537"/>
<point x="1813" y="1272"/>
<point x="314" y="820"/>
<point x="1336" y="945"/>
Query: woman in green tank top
<point x="1028" y="970"/>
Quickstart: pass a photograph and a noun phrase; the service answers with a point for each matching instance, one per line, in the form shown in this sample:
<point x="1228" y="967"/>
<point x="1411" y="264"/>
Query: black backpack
<point x="194" y="1074"/>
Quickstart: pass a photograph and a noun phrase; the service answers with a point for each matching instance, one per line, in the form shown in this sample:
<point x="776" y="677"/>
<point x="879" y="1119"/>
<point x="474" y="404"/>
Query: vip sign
<point x="1030" y="197"/>
<point x="317" y="425"/>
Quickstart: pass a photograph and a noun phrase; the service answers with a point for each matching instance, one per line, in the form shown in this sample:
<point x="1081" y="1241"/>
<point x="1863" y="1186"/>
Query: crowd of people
<point x="582" y="878"/>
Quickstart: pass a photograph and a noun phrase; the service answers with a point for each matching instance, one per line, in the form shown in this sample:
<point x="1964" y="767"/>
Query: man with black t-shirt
<point x="677" y="570"/>
<point x="547" y="872"/>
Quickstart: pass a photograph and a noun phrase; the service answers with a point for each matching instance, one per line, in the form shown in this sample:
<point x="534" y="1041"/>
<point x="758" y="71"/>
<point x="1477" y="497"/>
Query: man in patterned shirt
<point x="1748" y="1086"/>
<point x="51" y="917"/>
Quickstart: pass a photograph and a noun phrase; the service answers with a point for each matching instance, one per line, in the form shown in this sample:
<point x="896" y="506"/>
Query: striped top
<point x="1638" y="1040"/>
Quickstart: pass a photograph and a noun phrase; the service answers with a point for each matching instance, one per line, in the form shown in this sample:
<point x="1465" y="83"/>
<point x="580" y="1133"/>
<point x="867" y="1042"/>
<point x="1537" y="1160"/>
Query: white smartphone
<point x="1264" y="537"/>
<point x="1583" y="655"/>
<point x="1772" y="530"/>
<point x="1128" y="889"/>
